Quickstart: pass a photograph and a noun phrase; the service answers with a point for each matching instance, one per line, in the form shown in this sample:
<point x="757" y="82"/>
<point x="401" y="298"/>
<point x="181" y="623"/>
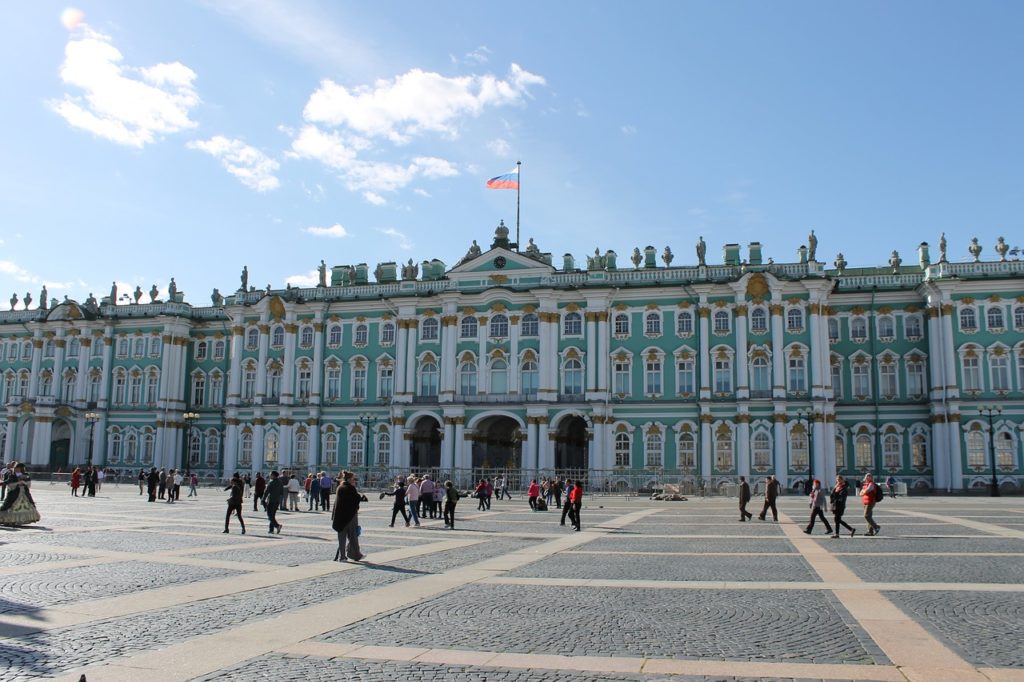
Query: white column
<point x="481" y="365"/>
<point x="530" y="461"/>
<point x="543" y="445"/>
<point x="82" y="385"/>
<point x="410" y="357"/>
<point x="288" y="372"/>
<point x="591" y="318"/>
<point x="742" y="375"/>
<point x="400" y="358"/>
<point x="58" y="364"/>
<point x="513" y="359"/>
<point x="317" y="388"/>
<point x="817" y="366"/>
<point x="704" y="352"/>
<point x="447" y="360"/>
<point x="261" y="369"/>
<point x="821" y="471"/>
<point x="284" y="444"/>
<point x="781" y="450"/>
<point x="258" y="435"/>
<point x="956" y="465"/>
<point x="743" y="440"/>
<point x="41" y="441"/>
<point x="448" y="444"/>
<point x="12" y="437"/>
<point x="602" y="351"/>
<point x="37" y="360"/>
<point x="314" y="446"/>
<point x="705" y="449"/>
<point x="778" y="355"/>
<point x="830" y="450"/>
<point x="99" y="440"/>
<point x="235" y="375"/>
<point x="548" y="348"/>
<point x="460" y="457"/>
<point x="108" y="352"/>
<point x="940" y="453"/>
<point x="953" y="391"/>
<point x="230" y="448"/>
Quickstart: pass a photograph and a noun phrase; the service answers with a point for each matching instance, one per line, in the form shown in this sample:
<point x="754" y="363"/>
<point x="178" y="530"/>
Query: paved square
<point x="116" y="587"/>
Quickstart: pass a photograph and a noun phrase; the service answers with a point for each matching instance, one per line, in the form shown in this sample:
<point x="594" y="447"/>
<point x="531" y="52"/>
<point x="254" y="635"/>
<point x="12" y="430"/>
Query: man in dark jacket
<point x="259" y="487"/>
<point x="272" y="500"/>
<point x="744" y="499"/>
<point x="568" y="504"/>
<point x="237" y="489"/>
<point x="771" y="492"/>
<point x="346" y="518"/>
<point x="152" y="482"/>
<point x="399" y="494"/>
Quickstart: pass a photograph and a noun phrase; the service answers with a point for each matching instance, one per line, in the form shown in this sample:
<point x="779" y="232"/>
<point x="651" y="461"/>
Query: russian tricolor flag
<point x="509" y="180"/>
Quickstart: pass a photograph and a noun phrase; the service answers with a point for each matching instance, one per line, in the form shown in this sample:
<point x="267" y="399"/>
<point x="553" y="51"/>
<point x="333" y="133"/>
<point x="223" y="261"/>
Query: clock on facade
<point x="499" y="262"/>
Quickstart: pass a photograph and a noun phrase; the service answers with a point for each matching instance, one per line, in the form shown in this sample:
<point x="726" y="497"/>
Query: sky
<point x="141" y="141"/>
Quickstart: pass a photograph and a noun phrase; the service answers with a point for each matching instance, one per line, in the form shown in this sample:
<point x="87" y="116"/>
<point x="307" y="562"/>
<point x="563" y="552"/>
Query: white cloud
<point x="374" y="198"/>
<point x="432" y="167"/>
<point x="124" y="104"/>
<point x="19" y="273"/>
<point x="71" y="18"/>
<point x="251" y="166"/>
<point x="480" y="55"/>
<point x="422" y="192"/>
<point x="500" y="147"/>
<point x="310" y="279"/>
<point x="399" y="237"/>
<point x="628" y="129"/>
<point x="336" y="231"/>
<point x="329" y="148"/>
<point x="415" y="102"/>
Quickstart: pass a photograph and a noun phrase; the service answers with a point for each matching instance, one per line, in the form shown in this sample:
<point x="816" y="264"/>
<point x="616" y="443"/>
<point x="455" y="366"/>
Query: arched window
<point x="334" y="335"/>
<point x="383" y="448"/>
<point x="760" y="377"/>
<point x="1005" y="451"/>
<point x="529" y="376"/>
<point x="46" y="383"/>
<point x="833" y="330"/>
<point x="685" y="375"/>
<point x="761" y="445"/>
<point x="1018" y="317"/>
<point x="975" y="450"/>
<point x="356" y="446"/>
<point x="428" y="330"/>
<point x="499" y="376"/>
<point x="270" y="444"/>
<point x="919" y="451"/>
<point x="887" y="378"/>
<point x="387" y="334"/>
<point x="863" y="452"/>
<point x="622" y="449"/>
<point x="198" y="389"/>
<point x="274" y="383"/>
<point x="858" y="329"/>
<point x="359" y="377"/>
<point x="74" y="346"/>
<point x="994" y="318"/>
<point x="797" y="374"/>
<point x="26" y="350"/>
<point x="572" y="380"/>
<point x="886" y="328"/>
<point x="155" y="346"/>
<point x="252" y="338"/>
<point x="721" y="322"/>
<point x="135" y="388"/>
<point x="1000" y="368"/>
<point x="499" y="327"/>
<point x="891" y="451"/>
<point x="301" y="449"/>
<point x="195" y="448"/>
<point x="840" y="454"/>
<point x="468" y="328"/>
<point x="723" y="375"/>
<point x="687" y="451"/>
<point x="621" y="324"/>
<point x="306" y="337"/>
<point x="95" y="379"/>
<point x="219" y="348"/>
<point x="528" y="325"/>
<point x="968" y="320"/>
<point x="798" y="455"/>
<point x="428" y="379"/>
<point x="684" y="323"/>
<point x="212" y="449"/>
<point x="114" y="448"/>
<point x="795" y="320"/>
<point x="758" y="320"/>
<point x="138" y="347"/>
<point x="622" y="382"/>
<point x="249" y="381"/>
<point x="362" y="335"/>
<point x="48" y="348"/>
<point x="202" y="349"/>
<point x="652" y="324"/>
<point x="912" y="327"/>
<point x="131" y="448"/>
<point x="120" y="386"/>
<point x="652" y="449"/>
<point x="67" y="393"/>
<point x="861" y="373"/>
<point x="385" y="381"/>
<point x="245" y="450"/>
<point x="304" y="381"/>
<point x="572" y="324"/>
<point x="148" y="447"/>
<point x="467" y="379"/>
<point x="723" y="449"/>
<point x="277" y="336"/>
<point x="331" y="448"/>
<point x="332" y="378"/>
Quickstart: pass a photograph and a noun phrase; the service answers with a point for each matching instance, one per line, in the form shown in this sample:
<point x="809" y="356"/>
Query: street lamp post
<point x="92" y="418"/>
<point x="367" y="420"/>
<point x="989" y="410"/>
<point x="190" y="419"/>
<point x="807" y="418"/>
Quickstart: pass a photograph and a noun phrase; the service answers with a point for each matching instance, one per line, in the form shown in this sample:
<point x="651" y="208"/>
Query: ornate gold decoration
<point x="967" y="300"/>
<point x="276" y="308"/>
<point x="498" y="279"/>
<point x="741" y="311"/>
<point x="757" y="286"/>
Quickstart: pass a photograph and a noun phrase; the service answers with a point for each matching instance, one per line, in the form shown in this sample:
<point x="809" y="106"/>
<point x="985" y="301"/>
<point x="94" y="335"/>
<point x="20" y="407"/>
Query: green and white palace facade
<point x="634" y="369"/>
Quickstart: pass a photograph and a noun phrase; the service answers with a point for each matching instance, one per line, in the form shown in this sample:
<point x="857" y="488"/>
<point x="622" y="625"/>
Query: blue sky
<point x="147" y="140"/>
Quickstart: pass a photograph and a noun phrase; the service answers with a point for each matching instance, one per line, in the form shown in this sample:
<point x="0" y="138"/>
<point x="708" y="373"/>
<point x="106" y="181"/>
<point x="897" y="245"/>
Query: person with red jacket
<point x="869" y="495"/>
<point x="76" y="481"/>
<point x="576" y="499"/>
<point x="532" y="493"/>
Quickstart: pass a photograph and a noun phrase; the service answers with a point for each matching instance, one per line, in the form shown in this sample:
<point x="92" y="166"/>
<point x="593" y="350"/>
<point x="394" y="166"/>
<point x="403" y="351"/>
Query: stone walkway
<point x="121" y="589"/>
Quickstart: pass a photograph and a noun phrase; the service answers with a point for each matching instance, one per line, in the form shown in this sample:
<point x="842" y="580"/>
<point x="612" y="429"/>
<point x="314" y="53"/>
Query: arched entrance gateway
<point x="497" y="443"/>
<point x="60" y="445"/>
<point x="425" y="444"/>
<point x="571" y="444"/>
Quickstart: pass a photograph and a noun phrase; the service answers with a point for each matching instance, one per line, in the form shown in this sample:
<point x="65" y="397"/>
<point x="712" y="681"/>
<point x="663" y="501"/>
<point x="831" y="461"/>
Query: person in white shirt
<point x="412" y="496"/>
<point x="294" y="488"/>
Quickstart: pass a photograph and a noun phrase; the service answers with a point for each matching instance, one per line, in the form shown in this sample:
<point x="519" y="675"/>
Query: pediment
<point x="500" y="261"/>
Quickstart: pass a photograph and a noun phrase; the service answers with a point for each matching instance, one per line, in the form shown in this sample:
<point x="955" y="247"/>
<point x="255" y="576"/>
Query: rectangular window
<point x="1000" y="372"/>
<point x="359" y="383"/>
<point x="305" y="383"/>
<point x="915" y="379"/>
<point x="685" y="377"/>
<point x="887" y="380"/>
<point x="861" y="382"/>
<point x="971" y="374"/>
<point x="723" y="376"/>
<point x="652" y="381"/>
<point x="333" y="383"/>
<point x="837" y="381"/>
<point x="797" y="375"/>
<point x="621" y="378"/>
<point x="387" y="383"/>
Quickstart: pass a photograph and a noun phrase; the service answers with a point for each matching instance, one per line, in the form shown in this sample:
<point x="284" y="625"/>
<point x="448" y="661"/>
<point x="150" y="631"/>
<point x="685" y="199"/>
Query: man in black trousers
<point x="771" y="492"/>
<point x="568" y="505"/>
<point x="744" y="499"/>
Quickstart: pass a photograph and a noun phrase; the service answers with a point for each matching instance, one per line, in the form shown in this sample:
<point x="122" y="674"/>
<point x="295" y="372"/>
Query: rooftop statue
<point x="216" y="298"/>
<point x="636" y="258"/>
<point x="153" y="293"/>
<point x="840" y="263"/>
<point x="702" y="251"/>
<point x="14" y="300"/>
<point x="410" y="270"/>
<point x="532" y="249"/>
<point x="245" y="277"/>
<point x="91" y="301"/>
<point x="137" y="294"/>
<point x="812" y="246"/>
<point x="172" y="291"/>
<point x="322" y="272"/>
<point x="113" y="293"/>
<point x="895" y="261"/>
<point x="942" y="248"/>
<point x="1001" y="248"/>
<point x="28" y="300"/>
<point x="667" y="256"/>
<point x="474" y="251"/>
<point x="42" y="298"/>
<point x="975" y="249"/>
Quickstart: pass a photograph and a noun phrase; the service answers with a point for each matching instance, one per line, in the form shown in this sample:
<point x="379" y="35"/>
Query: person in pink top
<point x="532" y="493"/>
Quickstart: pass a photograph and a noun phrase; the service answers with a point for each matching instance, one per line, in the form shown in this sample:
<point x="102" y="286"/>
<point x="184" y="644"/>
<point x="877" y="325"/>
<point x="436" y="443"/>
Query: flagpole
<point x="519" y="182"/>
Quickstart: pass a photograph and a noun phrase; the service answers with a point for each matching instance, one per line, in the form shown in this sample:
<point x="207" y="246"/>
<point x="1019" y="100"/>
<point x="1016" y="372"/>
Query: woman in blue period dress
<point x="19" y="508"/>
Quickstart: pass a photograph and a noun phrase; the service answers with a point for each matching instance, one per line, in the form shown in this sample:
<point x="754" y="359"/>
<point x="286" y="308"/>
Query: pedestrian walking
<point x="259" y="488"/>
<point x="771" y="493"/>
<point x="326" y="483"/>
<point x="838" y="499"/>
<point x="576" y="498"/>
<point x="532" y="493"/>
<point x="294" y="488"/>
<point x="142" y="480"/>
<point x="399" y="507"/>
<point x="345" y="520"/>
<point x="193" y="483"/>
<point x="556" y="489"/>
<point x="152" y="482"/>
<point x="488" y="492"/>
<point x="503" y="488"/>
<point x="480" y="493"/>
<point x="870" y="495"/>
<point x="272" y="500"/>
<point x="163" y="484"/>
<point x="890" y="484"/>
<point x="744" y="499"/>
<point x="427" y="486"/>
<point x="314" y="492"/>
<point x="90" y="482"/>
<point x="568" y="502"/>
<point x="101" y="475"/>
<point x="178" y="480"/>
<point x="818" y="501"/>
<point x="237" y="489"/>
<point x="76" y="481"/>
<point x="248" y="485"/>
<point x="412" y="494"/>
<point x="451" y="498"/>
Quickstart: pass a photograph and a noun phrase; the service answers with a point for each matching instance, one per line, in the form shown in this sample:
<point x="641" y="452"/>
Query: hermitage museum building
<point x="614" y="369"/>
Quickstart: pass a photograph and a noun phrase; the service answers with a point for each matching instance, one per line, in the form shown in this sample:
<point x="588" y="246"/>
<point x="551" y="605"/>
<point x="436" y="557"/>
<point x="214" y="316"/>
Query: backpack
<point x="879" y="495"/>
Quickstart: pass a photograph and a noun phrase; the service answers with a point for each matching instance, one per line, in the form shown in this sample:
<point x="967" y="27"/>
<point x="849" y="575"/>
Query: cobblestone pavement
<point x="161" y="582"/>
